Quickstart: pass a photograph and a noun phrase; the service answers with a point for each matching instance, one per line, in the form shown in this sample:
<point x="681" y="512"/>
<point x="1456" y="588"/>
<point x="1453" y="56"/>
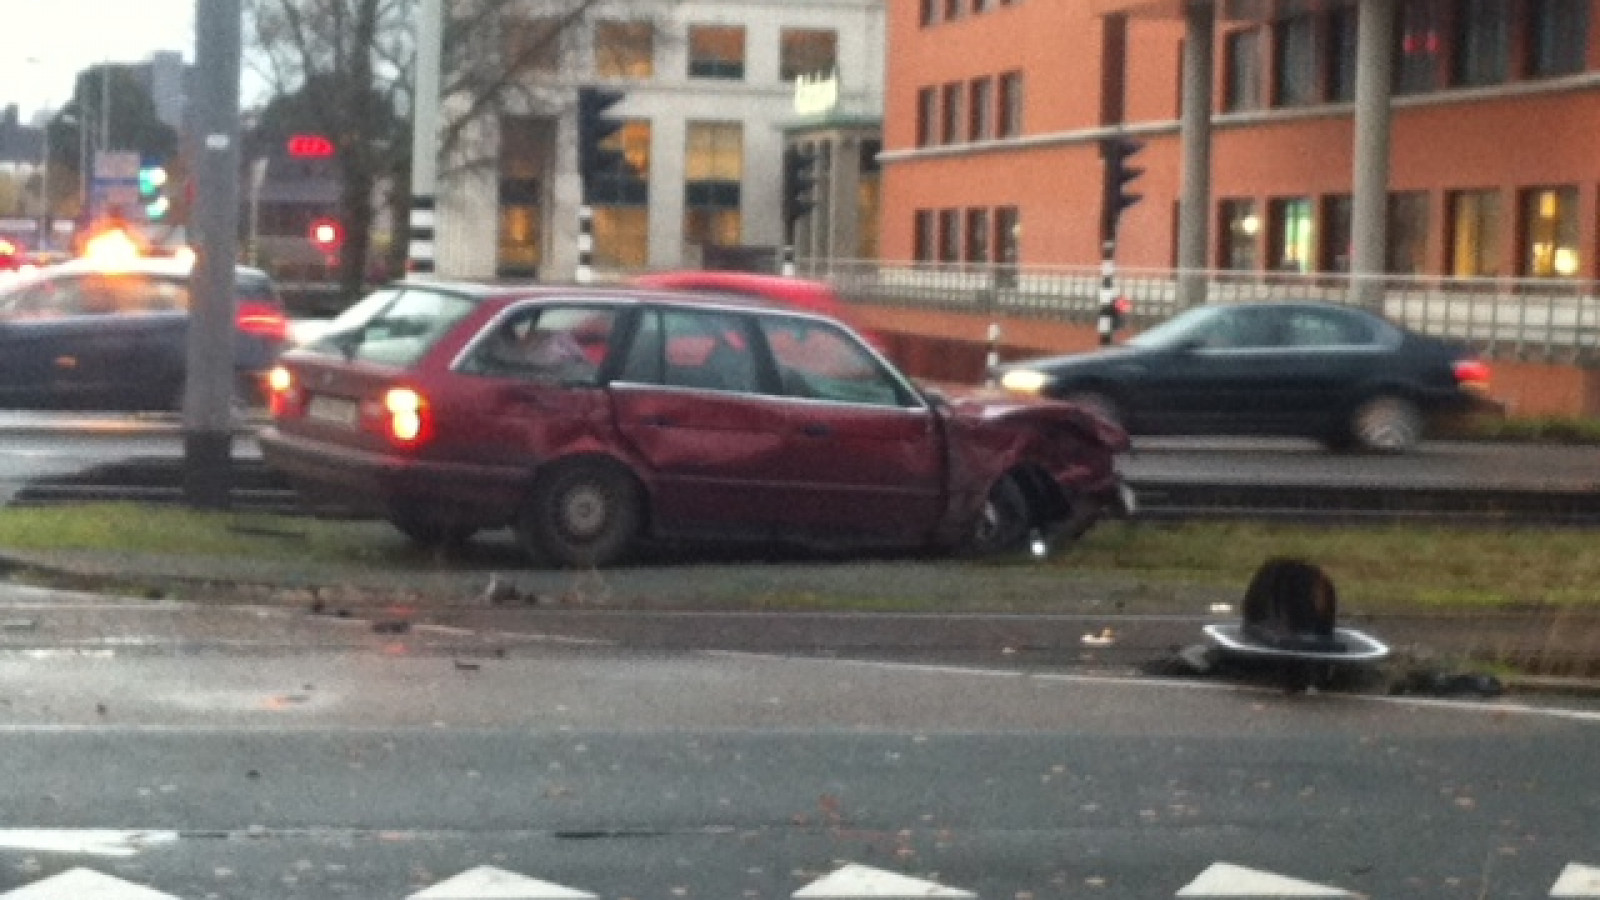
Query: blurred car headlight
<point x="1024" y="381"/>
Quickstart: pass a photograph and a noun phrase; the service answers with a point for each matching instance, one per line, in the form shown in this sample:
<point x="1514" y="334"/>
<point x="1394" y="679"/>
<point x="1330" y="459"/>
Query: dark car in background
<point x="1339" y="375"/>
<point x="88" y="335"/>
<point x="591" y="419"/>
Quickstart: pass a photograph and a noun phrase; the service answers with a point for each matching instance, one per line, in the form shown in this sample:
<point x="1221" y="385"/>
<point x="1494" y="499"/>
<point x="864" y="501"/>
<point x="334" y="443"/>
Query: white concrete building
<point x="709" y="91"/>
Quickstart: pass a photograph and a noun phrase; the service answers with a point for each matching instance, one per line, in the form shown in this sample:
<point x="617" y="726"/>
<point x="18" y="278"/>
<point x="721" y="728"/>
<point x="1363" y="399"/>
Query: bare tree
<point x="345" y="67"/>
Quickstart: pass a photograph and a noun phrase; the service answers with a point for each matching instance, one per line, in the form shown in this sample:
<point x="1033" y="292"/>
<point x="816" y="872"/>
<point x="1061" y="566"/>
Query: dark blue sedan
<point x="85" y="335"/>
<point x="1343" y="376"/>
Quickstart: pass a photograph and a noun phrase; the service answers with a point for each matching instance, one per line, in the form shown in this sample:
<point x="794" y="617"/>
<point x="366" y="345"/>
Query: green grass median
<point x="1376" y="567"/>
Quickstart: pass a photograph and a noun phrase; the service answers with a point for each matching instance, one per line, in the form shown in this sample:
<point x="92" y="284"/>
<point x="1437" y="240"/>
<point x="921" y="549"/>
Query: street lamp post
<point x="47" y="209"/>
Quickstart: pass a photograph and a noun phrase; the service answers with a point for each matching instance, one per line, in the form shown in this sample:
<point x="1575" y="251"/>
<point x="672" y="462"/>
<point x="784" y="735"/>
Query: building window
<point x="1550" y="232"/>
<point x="1421" y="46"/>
<point x="980" y="126"/>
<point x="520" y="250"/>
<point x="620" y="197"/>
<point x="716" y="51"/>
<point x="927" y="115"/>
<point x="624" y="50"/>
<point x="530" y="44"/>
<point x="929" y="13"/>
<point x="1483" y="42"/>
<point x="1242" y="58"/>
<point x="952" y="10"/>
<point x="1297" y="65"/>
<point x="1475" y="234"/>
<point x="1007" y="235"/>
<point x="950" y="235"/>
<point x="1010" y="124"/>
<point x="950" y="113"/>
<point x="922" y="236"/>
<point x="1336" y="234"/>
<point x="713" y="170"/>
<point x="808" y="52"/>
<point x="981" y="6"/>
<point x="1293" y="235"/>
<point x="1558" y="37"/>
<point x="1342" y="55"/>
<point x="977" y="235"/>
<point x="1241" y="231"/>
<point x="1409" y="219"/>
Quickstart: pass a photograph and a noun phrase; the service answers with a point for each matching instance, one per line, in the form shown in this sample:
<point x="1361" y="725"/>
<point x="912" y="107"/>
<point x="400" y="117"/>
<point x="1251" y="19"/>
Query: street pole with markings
<point x="209" y="385"/>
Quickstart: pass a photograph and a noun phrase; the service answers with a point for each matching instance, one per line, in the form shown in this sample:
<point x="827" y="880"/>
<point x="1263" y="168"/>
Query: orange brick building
<point x="1453" y="138"/>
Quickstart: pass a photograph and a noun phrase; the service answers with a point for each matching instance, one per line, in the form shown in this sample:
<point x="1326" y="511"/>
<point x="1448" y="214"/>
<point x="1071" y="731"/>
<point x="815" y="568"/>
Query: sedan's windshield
<point x="394" y="327"/>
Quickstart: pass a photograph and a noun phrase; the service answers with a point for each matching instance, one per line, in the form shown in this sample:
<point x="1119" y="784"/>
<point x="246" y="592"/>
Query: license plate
<point x="335" y="410"/>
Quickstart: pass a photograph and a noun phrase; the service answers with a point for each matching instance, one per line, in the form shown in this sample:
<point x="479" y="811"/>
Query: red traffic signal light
<point x="326" y="234"/>
<point x="310" y="146"/>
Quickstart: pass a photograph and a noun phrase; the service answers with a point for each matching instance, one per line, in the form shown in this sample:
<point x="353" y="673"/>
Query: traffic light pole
<point x="1108" y="290"/>
<point x="209" y="382"/>
<point x="425" y="136"/>
<point x="585" y="272"/>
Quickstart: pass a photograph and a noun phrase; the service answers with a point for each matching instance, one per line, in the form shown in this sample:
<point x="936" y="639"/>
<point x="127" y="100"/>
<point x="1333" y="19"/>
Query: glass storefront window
<point x="1550" y="224"/>
<point x="1241" y="232"/>
<point x="1293" y="234"/>
<point x="1475" y="229"/>
<point x="1409" y="219"/>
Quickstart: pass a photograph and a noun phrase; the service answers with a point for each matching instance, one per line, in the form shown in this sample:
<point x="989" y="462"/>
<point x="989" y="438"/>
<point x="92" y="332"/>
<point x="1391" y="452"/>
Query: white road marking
<point x="1228" y="880"/>
<point x="863" y="881"/>
<point x="84" y="884"/>
<point x="83" y="841"/>
<point x="1577" y="881"/>
<point x="490" y="883"/>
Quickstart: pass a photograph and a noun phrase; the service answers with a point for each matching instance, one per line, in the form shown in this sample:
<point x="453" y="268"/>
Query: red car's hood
<point x="991" y="406"/>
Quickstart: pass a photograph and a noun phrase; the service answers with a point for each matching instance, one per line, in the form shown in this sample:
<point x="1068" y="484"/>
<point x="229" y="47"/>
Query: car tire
<point x="1098" y="403"/>
<point x="1003" y="523"/>
<point x="1386" y="423"/>
<point x="581" y="515"/>
<point x="429" y="533"/>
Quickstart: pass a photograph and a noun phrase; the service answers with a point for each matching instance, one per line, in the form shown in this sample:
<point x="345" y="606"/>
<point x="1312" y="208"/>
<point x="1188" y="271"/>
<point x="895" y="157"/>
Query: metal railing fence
<point x="1534" y="319"/>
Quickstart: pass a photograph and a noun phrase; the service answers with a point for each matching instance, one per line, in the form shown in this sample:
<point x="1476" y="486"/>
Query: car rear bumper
<point x="381" y="484"/>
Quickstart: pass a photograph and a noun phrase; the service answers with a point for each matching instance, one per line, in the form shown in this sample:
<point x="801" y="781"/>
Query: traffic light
<point x="326" y="234"/>
<point x="799" y="177"/>
<point x="594" y="131"/>
<point x="153" y="192"/>
<point x="1119" y="176"/>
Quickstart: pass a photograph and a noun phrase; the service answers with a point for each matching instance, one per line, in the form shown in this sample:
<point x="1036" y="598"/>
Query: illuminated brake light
<point x="282" y="396"/>
<point x="1472" y="374"/>
<point x="408" y="415"/>
<point x="263" y="321"/>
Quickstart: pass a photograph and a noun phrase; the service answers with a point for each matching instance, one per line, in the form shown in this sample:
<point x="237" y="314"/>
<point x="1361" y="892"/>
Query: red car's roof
<point x="797" y="292"/>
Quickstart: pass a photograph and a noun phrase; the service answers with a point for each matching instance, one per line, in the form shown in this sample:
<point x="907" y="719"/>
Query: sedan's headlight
<point x="1024" y="381"/>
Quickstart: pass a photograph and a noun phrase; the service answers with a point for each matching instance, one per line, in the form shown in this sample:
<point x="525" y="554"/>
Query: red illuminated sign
<point x="310" y="145"/>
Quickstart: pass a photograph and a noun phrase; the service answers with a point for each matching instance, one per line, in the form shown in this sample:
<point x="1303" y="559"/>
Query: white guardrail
<point x="1553" y="320"/>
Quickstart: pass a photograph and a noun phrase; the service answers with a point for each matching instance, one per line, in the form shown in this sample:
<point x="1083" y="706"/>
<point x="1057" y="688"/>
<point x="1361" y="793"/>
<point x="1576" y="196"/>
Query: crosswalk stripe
<point x="854" y="880"/>
<point x="1577" y="880"/>
<point x="490" y="883"/>
<point x="84" y="884"/>
<point x="1228" y="880"/>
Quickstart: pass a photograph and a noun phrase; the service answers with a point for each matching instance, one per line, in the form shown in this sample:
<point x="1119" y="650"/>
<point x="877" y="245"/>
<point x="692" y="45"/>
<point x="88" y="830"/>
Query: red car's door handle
<point x="657" y="421"/>
<point x="816" y="430"/>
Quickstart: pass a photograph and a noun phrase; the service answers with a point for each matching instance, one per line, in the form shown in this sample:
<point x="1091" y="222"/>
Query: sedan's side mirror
<point x="936" y="398"/>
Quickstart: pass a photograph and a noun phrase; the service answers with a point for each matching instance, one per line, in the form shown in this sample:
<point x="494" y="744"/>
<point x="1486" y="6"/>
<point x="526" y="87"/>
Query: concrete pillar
<point x="1194" y="208"/>
<point x="1369" y="218"/>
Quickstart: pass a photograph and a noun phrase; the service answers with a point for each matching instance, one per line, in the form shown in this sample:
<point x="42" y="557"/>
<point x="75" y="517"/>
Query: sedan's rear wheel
<point x="581" y="515"/>
<point x="1002" y="526"/>
<point x="1387" y="423"/>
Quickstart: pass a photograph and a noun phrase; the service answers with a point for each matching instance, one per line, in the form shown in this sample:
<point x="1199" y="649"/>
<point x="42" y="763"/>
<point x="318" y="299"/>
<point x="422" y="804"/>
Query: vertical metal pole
<point x="788" y="258"/>
<point x="44" y="191"/>
<point x="1194" y="211"/>
<point x="1369" y="216"/>
<point x="1108" y="291"/>
<point x="420" y="255"/>
<point x="209" y="386"/>
<point x="585" y="273"/>
<point x="992" y="360"/>
<point x="105" y="106"/>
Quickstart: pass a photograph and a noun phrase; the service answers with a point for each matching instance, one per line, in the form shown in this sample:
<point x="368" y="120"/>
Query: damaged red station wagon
<point x="590" y="419"/>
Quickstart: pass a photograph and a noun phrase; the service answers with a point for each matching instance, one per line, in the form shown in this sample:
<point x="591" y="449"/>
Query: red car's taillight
<point x="1472" y="374"/>
<point x="407" y="417"/>
<point x="284" y="397"/>
<point x="263" y="320"/>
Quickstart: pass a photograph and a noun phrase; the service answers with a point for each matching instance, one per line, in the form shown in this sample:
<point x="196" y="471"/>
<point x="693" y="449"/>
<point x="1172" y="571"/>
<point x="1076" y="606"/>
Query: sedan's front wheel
<point x="581" y="515"/>
<point x="1002" y="526"/>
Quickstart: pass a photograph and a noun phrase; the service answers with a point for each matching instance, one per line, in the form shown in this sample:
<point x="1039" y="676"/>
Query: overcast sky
<point x="45" y="43"/>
